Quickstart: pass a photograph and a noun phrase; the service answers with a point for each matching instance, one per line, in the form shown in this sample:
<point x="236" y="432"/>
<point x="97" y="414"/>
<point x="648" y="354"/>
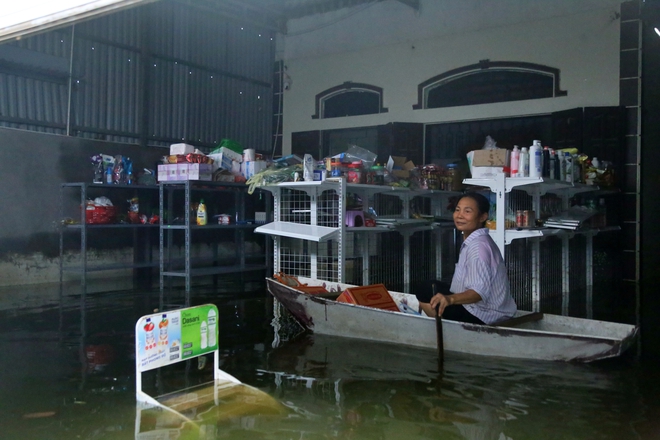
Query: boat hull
<point x="557" y="338"/>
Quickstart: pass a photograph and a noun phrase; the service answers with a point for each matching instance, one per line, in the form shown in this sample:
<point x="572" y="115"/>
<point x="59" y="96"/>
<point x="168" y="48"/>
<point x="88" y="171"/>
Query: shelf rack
<point x="241" y="227"/>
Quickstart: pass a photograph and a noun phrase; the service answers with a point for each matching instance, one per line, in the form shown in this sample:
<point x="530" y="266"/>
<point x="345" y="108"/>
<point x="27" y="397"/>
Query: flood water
<point x="326" y="388"/>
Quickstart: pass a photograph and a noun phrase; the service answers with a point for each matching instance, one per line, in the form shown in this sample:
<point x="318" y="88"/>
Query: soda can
<point x="520" y="219"/>
<point x="526" y="218"/>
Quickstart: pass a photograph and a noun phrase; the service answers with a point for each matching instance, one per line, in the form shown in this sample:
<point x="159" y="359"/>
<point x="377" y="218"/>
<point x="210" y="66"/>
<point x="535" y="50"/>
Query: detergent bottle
<point x="201" y="213"/>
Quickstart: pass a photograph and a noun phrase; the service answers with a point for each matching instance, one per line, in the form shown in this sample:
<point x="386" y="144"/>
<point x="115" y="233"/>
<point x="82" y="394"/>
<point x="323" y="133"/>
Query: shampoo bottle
<point x="536" y="160"/>
<point x="546" y="161"/>
<point x="524" y="163"/>
<point x="552" y="164"/>
<point x="515" y="161"/>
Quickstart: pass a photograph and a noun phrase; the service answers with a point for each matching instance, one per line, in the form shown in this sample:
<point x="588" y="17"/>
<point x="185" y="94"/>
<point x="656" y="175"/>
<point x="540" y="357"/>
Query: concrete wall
<point x="32" y="167"/>
<point x="390" y="45"/>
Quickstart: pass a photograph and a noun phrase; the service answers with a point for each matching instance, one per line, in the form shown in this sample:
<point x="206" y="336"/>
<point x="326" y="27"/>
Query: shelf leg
<point x="565" y="280"/>
<point x="590" y="275"/>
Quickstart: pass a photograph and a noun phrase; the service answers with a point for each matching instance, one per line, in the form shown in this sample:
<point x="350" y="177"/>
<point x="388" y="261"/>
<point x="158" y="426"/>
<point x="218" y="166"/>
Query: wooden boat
<point x="526" y="336"/>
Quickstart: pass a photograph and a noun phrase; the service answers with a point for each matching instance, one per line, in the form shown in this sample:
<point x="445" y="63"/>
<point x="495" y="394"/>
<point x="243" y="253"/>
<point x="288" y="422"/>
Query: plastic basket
<point x="99" y="215"/>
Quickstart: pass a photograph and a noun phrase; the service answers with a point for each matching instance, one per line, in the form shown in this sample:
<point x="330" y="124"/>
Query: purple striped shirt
<point x="481" y="268"/>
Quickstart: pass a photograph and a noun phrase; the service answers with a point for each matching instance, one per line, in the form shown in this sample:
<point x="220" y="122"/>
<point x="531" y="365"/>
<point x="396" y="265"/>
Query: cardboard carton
<point x="399" y="166"/>
<point x="491" y="158"/>
<point x="181" y="149"/>
<point x="488" y="163"/>
<point x="375" y="295"/>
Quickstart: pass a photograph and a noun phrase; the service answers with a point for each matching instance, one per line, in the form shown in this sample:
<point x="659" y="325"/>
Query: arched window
<point x="487" y="82"/>
<point x="349" y="99"/>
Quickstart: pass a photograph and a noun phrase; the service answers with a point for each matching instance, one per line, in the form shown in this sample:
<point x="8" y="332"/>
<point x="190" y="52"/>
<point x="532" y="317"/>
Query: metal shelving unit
<point x="312" y="238"/>
<point x="81" y="227"/>
<point x="177" y="197"/>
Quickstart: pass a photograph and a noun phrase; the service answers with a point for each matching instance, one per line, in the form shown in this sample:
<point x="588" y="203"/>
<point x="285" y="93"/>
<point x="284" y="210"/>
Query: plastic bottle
<point x="524" y="163"/>
<point x="546" y="161"/>
<point x="108" y="174"/>
<point x="595" y="163"/>
<point x="212" y="327"/>
<point x="162" y="330"/>
<point x="203" y="335"/>
<point x="536" y="160"/>
<point x="568" y="163"/>
<point x="557" y="165"/>
<point x="515" y="161"/>
<point x="552" y="164"/>
<point x="308" y="168"/>
<point x="149" y="339"/>
<point x="201" y="213"/>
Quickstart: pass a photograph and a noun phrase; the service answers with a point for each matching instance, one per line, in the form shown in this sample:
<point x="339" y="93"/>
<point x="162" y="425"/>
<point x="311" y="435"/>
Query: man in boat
<point x="479" y="292"/>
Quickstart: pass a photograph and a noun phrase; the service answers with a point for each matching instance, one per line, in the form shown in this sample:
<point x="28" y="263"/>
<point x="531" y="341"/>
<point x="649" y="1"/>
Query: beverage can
<point x="526" y="214"/>
<point x="520" y="219"/>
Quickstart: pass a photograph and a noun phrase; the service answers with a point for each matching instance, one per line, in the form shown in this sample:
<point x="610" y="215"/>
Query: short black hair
<point x="483" y="204"/>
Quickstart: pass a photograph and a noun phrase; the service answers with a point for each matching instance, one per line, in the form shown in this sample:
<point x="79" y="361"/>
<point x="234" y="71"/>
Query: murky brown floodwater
<point x="328" y="387"/>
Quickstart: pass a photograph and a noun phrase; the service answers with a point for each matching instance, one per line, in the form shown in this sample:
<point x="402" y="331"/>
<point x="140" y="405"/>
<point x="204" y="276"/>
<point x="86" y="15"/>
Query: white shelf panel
<point x="297" y="230"/>
<point x="545" y="184"/>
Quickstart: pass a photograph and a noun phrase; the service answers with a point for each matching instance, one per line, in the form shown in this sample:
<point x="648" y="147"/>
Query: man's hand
<point x="439" y="302"/>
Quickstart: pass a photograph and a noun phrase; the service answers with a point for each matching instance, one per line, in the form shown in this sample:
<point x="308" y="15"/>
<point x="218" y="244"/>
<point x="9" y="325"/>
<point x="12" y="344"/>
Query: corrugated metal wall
<point x="152" y="75"/>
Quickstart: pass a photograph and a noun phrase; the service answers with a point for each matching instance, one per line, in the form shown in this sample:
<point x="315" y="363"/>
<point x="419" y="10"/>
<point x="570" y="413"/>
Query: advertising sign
<point x="167" y="338"/>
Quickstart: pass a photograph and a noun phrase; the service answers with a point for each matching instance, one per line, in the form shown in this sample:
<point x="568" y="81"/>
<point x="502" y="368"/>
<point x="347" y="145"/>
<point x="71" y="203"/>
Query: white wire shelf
<point x="297" y="230"/>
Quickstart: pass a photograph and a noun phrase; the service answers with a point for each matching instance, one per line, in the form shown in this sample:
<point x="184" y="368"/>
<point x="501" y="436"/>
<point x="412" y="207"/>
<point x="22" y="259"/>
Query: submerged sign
<point x="166" y="338"/>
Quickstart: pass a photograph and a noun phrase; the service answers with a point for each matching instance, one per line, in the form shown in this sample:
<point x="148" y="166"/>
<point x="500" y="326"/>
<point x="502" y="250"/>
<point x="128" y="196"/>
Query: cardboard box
<point x="181" y="149"/>
<point x="399" y="166"/>
<point x="486" y="164"/>
<point x="221" y="160"/>
<point x="200" y="171"/>
<point x="167" y="172"/>
<point x="486" y="172"/>
<point x="375" y="295"/>
<point x="184" y="171"/>
<point x="250" y="168"/>
<point x="491" y="158"/>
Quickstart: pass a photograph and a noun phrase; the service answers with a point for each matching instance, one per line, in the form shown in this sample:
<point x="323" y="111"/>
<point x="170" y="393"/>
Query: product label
<point x="182" y="334"/>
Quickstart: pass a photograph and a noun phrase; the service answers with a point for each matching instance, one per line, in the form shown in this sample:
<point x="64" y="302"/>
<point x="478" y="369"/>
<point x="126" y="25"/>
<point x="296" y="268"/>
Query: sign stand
<point x="163" y="339"/>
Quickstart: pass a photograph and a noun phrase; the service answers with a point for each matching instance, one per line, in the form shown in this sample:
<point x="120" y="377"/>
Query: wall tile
<point x="629" y="35"/>
<point x="628" y="92"/>
<point x="629" y="63"/>
<point x="631" y="149"/>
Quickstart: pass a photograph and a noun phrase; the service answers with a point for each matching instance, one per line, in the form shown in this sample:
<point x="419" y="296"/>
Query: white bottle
<point x="515" y="161"/>
<point x="212" y="328"/>
<point x="308" y="168"/>
<point x="595" y="163"/>
<point x="568" y="163"/>
<point x="204" y="336"/>
<point x="536" y="160"/>
<point x="524" y="163"/>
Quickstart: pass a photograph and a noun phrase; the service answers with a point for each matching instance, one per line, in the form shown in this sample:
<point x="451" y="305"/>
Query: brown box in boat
<point x="375" y="295"/>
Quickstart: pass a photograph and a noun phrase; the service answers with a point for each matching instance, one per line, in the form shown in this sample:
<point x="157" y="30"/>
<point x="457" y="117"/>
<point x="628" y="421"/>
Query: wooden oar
<point x="438" y="331"/>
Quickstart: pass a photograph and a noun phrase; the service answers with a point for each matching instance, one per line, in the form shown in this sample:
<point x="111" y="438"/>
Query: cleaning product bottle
<point x="536" y="159"/>
<point x="515" y="161"/>
<point x="552" y="164"/>
<point x="524" y="163"/>
<point x="568" y="163"/>
<point x="201" y="213"/>
<point x="108" y="174"/>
